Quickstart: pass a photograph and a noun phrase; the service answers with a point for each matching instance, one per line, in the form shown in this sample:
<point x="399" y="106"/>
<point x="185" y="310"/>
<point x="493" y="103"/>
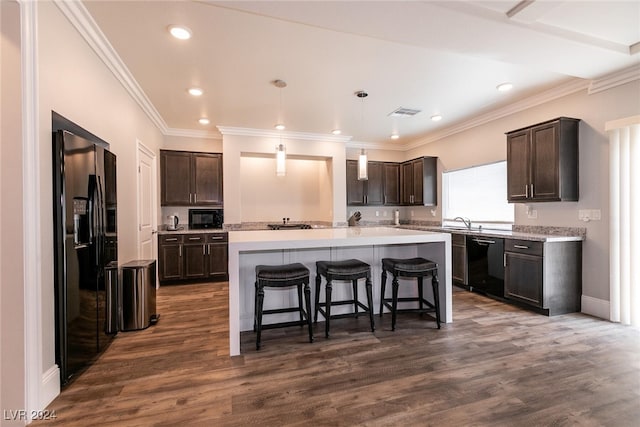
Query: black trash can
<point x="138" y="295"/>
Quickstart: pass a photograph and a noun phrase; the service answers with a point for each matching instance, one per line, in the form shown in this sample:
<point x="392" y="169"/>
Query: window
<point x="478" y="193"/>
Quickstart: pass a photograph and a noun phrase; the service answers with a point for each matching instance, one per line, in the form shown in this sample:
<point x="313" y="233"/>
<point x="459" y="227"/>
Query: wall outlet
<point x="377" y="213"/>
<point x="433" y="212"/>
<point x="411" y="213"/>
<point x="587" y="215"/>
<point x="384" y="213"/>
<point x="532" y="213"/>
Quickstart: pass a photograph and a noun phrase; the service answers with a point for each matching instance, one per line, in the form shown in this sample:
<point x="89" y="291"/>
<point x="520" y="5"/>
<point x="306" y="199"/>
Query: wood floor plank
<point x="496" y="365"/>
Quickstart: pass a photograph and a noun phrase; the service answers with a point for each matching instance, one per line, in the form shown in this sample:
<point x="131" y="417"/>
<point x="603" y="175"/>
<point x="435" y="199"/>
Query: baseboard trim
<point x="595" y="307"/>
<point x="50" y="386"/>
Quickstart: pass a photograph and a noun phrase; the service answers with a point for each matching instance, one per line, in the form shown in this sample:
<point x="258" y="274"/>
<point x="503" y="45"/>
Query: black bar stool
<point x="348" y="270"/>
<point x="282" y="276"/>
<point x="409" y="268"/>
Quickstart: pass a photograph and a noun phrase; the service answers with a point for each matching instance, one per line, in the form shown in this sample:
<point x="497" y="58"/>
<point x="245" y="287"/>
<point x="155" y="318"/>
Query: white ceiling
<point x="442" y="57"/>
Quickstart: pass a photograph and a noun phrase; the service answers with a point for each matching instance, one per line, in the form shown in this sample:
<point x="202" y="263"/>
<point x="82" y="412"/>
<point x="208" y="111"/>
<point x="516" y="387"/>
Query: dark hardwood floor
<point x="495" y="365"/>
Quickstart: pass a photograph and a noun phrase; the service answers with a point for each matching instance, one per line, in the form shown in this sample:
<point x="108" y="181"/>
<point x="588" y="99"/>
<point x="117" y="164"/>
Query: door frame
<point x="141" y="148"/>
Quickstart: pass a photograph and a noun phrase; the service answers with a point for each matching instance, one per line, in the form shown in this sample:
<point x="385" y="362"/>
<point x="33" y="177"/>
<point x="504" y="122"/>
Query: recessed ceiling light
<point x="280" y="126"/>
<point x="195" y="91"/>
<point x="336" y="131"/>
<point x="204" y="121"/>
<point x="180" y="32"/>
<point x="504" y="87"/>
<point x="395" y="136"/>
<point x="436" y="117"/>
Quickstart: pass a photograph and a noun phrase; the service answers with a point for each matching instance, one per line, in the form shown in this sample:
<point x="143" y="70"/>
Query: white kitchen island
<point x="369" y="244"/>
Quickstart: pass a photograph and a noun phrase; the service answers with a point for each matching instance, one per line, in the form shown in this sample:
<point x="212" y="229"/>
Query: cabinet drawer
<point x="170" y="238"/>
<point x="458" y="239"/>
<point x="217" y="237"/>
<point x="524" y="247"/>
<point x="194" y="238"/>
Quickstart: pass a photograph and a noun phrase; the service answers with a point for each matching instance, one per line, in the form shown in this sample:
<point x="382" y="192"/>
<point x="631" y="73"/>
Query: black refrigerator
<point x="86" y="251"/>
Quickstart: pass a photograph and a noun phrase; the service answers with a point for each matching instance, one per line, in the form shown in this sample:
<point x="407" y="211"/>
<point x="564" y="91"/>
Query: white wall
<point x="487" y="143"/>
<point x="75" y="83"/>
<point x="303" y="194"/>
<point x="236" y="147"/>
<point x="12" y="303"/>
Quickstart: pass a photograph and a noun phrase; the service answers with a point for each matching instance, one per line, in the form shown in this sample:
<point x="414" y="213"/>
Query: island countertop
<point x="329" y="237"/>
<point x="370" y="244"/>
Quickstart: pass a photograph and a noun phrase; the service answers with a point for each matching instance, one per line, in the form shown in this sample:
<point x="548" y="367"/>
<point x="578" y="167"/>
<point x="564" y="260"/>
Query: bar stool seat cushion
<point x="409" y="265"/>
<point x="346" y="267"/>
<point x="286" y="272"/>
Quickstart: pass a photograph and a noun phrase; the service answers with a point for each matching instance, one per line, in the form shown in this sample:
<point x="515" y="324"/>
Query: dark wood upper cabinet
<point x="391" y="172"/>
<point x="542" y="162"/>
<point x="190" y="179"/>
<point x="419" y="182"/>
<point x="382" y="182"/>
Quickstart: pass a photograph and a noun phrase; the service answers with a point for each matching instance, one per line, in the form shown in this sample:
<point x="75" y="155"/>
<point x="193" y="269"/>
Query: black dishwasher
<point x="485" y="263"/>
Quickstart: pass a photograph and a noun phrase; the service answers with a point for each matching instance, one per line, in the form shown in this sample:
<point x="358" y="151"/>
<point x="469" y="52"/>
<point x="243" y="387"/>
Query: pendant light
<point x="363" y="174"/>
<point x="281" y="153"/>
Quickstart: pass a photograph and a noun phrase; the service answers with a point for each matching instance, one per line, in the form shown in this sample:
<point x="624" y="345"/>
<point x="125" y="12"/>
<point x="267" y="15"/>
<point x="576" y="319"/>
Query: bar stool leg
<point x="394" y="304"/>
<point x="307" y="300"/>
<point x="370" y="302"/>
<point x="436" y="295"/>
<point x="420" y="292"/>
<point x="354" y="284"/>
<point x="383" y="284"/>
<point x="301" y="307"/>
<point x="327" y="308"/>
<point x="260" y="301"/>
<point x="255" y="306"/>
<point x="317" y="306"/>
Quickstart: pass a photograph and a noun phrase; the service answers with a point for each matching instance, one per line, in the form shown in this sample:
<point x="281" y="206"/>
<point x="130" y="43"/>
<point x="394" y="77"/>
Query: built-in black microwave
<point x="206" y="218"/>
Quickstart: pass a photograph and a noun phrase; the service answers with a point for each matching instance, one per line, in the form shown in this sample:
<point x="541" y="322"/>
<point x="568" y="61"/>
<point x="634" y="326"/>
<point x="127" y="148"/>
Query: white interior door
<point x="147" y="209"/>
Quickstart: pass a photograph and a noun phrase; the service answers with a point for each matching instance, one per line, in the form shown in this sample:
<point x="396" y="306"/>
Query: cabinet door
<point x="459" y="259"/>
<point x="170" y="261"/>
<point x="545" y="171"/>
<point x="406" y="182"/>
<point x="175" y="178"/>
<point x="195" y="261"/>
<point x="391" y="172"/>
<point x="355" y="188"/>
<point x="428" y="181"/>
<point x="375" y="184"/>
<point x="523" y="278"/>
<point x="518" y="166"/>
<point x="207" y="179"/>
<point x="417" y="174"/>
<point x="195" y="256"/>
<point x="218" y="260"/>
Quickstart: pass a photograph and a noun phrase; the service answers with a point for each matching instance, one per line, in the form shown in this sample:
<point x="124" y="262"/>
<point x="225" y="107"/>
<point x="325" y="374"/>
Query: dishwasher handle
<point x="485" y="241"/>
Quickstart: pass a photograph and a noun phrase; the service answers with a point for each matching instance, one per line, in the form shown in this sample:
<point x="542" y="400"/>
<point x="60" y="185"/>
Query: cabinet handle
<point x="180" y="251"/>
<point x="195" y="198"/>
<point x="521" y="247"/>
<point x="532" y="191"/>
<point x="504" y="257"/>
<point x="175" y="239"/>
<point x="204" y="249"/>
<point x="208" y="249"/>
<point x="526" y="191"/>
<point x="217" y="237"/>
<point x="195" y="238"/>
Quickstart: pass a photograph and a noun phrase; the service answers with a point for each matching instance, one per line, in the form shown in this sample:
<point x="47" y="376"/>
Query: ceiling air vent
<point x="404" y="112"/>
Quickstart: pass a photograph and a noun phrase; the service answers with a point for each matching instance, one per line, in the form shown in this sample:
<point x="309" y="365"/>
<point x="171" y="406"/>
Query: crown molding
<point x="573" y="86"/>
<point x="190" y="133"/>
<point x="266" y="133"/>
<point x="617" y="78"/>
<point x="80" y="18"/>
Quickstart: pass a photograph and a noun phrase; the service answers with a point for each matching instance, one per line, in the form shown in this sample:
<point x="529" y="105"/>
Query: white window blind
<point x="478" y="193"/>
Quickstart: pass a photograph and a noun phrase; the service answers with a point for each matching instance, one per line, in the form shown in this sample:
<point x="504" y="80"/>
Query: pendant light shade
<point x="362" y="166"/>
<point x="281" y="157"/>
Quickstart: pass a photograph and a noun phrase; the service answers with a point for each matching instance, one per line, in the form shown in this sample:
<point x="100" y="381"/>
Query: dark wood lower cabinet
<point x="459" y="260"/>
<point x="193" y="257"/>
<point x="546" y="276"/>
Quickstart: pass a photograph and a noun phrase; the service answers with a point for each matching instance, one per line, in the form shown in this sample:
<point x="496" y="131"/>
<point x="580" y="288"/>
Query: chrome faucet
<point x="466" y="221"/>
